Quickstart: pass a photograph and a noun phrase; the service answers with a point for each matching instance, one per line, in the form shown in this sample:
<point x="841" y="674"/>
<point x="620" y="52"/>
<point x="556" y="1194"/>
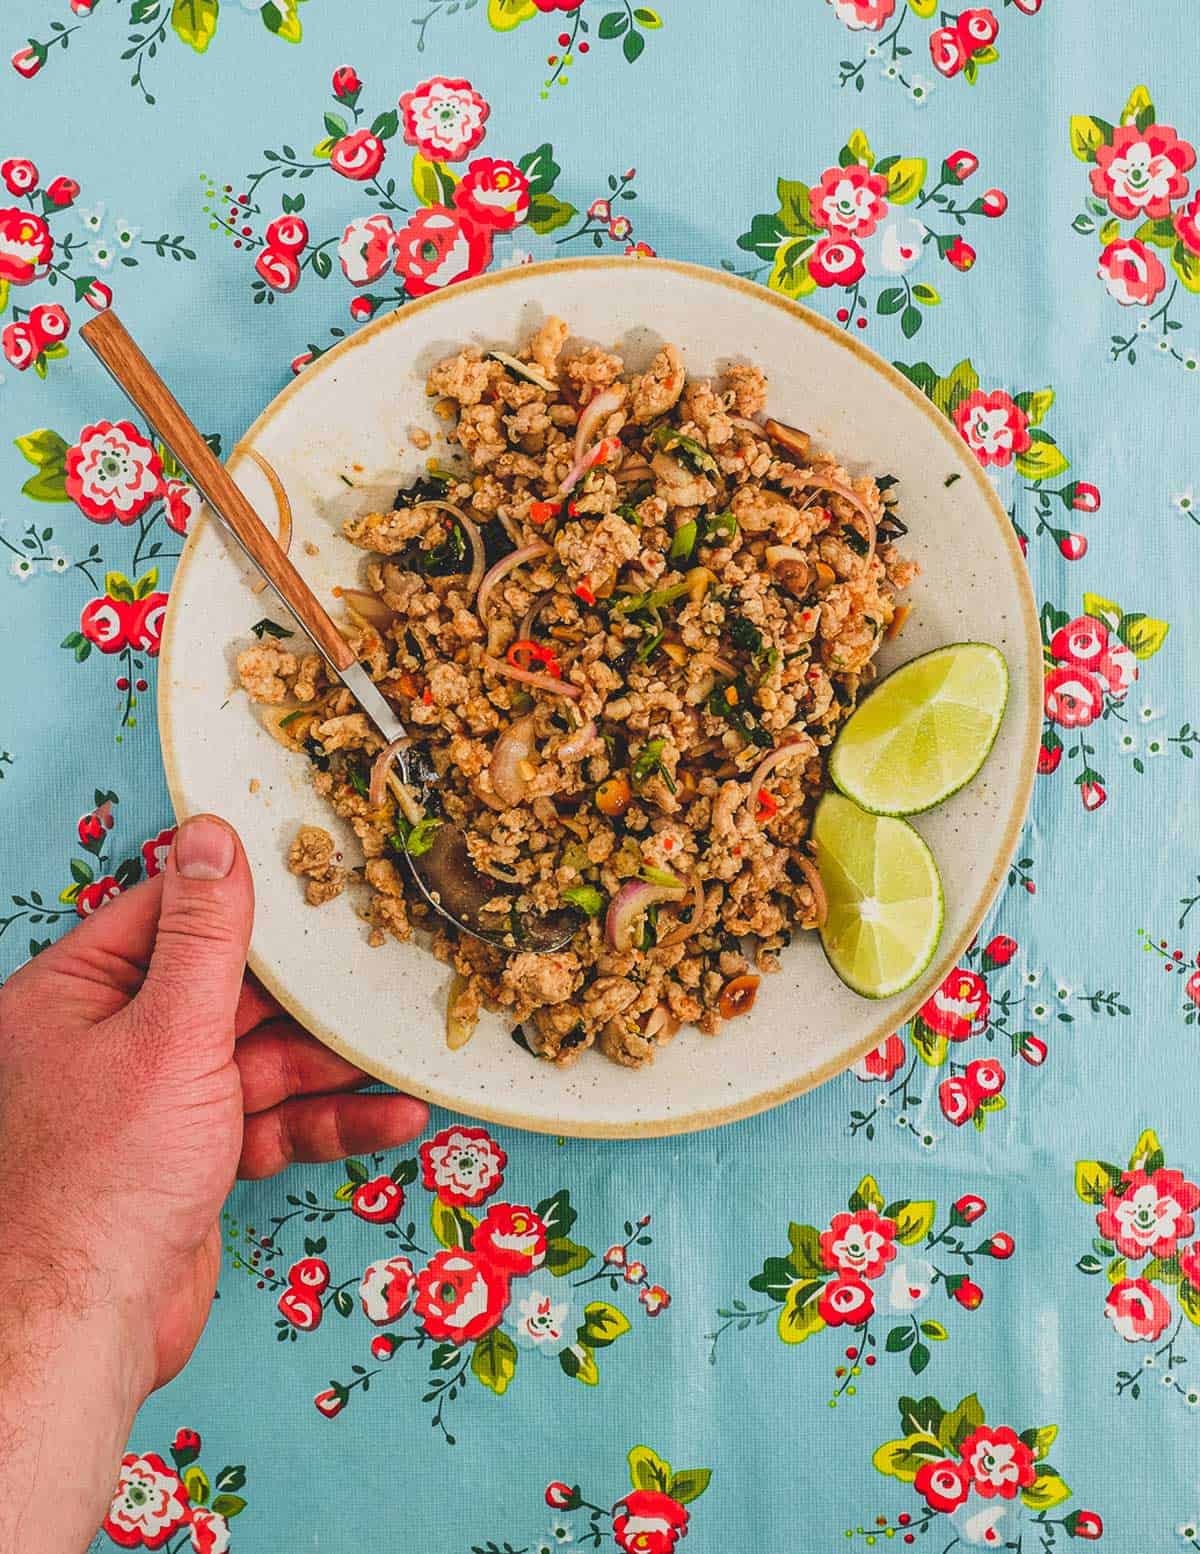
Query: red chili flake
<point x="668" y="844"/>
<point x="583" y="591"/>
<point x="766" y="806"/>
<point x="542" y="512"/>
<point x="572" y="509"/>
<point x="427" y="697"/>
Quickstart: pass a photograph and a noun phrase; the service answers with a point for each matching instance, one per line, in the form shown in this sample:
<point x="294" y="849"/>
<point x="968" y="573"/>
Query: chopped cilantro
<point x="447" y="557"/>
<point x="630" y="514"/>
<point x="950" y="479"/>
<point x="650" y="928"/>
<point x="354" y="776"/>
<point x="731" y="700"/>
<point x="743" y="634"/>
<point x="427" y="488"/>
<point x="649" y="761"/>
<point x="266" y="628"/>
<point x="857" y="542"/>
<point x="316" y="754"/>
<point x="886" y="482"/>
<point x="586" y="897"/>
<point x="300" y="712"/>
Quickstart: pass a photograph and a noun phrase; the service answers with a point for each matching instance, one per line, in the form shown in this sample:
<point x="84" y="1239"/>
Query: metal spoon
<point x="444" y="874"/>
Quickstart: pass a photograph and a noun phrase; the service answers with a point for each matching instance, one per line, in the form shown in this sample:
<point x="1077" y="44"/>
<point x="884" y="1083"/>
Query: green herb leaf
<point x="689" y="450"/>
<point x="586" y="897"/>
<point x="268" y="628"/>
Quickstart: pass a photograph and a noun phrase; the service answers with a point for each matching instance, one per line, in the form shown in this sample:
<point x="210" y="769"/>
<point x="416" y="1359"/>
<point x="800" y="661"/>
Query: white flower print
<point x="22" y="568"/>
<point x="126" y="234"/>
<point x="102" y="255"/>
<point x="93" y="219"/>
<point x="540" y="1322"/>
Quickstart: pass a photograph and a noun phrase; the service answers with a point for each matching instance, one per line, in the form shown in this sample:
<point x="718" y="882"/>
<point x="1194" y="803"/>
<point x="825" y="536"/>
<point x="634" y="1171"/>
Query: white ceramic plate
<point x="347" y="418"/>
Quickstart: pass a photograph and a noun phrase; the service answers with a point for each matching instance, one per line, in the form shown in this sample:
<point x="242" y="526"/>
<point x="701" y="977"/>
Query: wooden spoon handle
<point x="113" y="344"/>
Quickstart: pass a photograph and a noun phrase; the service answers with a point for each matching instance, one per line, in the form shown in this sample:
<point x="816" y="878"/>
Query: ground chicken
<point x="264" y="671"/>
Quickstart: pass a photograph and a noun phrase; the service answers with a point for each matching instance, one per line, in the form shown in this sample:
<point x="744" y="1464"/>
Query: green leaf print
<point x="195" y="22"/>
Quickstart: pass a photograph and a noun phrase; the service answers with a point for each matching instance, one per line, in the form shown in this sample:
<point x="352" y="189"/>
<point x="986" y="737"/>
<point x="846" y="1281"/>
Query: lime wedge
<point x="885" y="897"/>
<point x="924" y="731"/>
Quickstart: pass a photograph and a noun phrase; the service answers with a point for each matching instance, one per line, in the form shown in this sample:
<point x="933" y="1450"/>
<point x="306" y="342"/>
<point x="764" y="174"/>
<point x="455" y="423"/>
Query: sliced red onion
<point x="369" y="606"/>
<point x="471" y="530"/>
<point x="816" y="482"/>
<point x="514" y="746"/>
<point x="629" y="905"/>
<point x="594" y="412"/>
<point x="544" y="682"/>
<point x="768" y="764"/>
<point x="683" y="931"/>
<point x="503" y="567"/>
<point x="578" y="741"/>
<point x="596" y="454"/>
<point x="812" y="875"/>
<point x="381" y="775"/>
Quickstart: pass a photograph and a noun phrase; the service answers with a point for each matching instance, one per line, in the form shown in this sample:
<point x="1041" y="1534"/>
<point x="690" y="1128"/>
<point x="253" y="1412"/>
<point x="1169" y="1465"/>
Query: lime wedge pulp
<point x="884" y="894"/>
<point x="924" y="731"/>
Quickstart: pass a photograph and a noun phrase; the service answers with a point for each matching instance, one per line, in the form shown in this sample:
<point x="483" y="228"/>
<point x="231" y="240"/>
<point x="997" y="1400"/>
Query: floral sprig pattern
<point x="961" y="44"/>
<point x="854" y="1273"/>
<point x="440" y="225"/>
<point x="1139" y="174"/>
<point x="1092" y="662"/>
<point x="975" y="1481"/>
<point x="1145" y="1215"/>
<point x="625" y="23"/>
<point x="154" y="25"/>
<point x="842" y="231"/>
<point x="1177" y="961"/>
<point x="179" y="1509"/>
<point x="503" y="1282"/>
<point x="35" y="248"/>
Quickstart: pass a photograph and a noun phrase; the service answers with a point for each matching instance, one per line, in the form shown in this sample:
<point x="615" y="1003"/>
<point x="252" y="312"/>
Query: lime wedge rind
<point x="879" y="944"/>
<point x="924" y="732"/>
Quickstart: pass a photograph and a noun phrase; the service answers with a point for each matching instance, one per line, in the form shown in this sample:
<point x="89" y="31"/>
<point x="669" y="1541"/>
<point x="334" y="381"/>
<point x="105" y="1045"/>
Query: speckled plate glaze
<point x="347" y="418"/>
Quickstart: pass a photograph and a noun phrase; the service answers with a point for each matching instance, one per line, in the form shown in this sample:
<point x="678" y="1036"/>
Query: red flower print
<point x="969" y="1208"/>
<point x="1092" y="795"/>
<point x="647" y="1522"/>
<point x="993" y="426"/>
<point x="1073" y="697"/>
<point x="99" y="893"/>
<point x="438" y="247"/>
<point x="149" y="1504"/>
<point x="994" y="203"/>
<point x="1001" y="1246"/>
<point x="958" y="1101"/>
<point x="960" y="1005"/>
<point x="26" y="247"/>
<point x="20" y="176"/>
<point x="881" y="1062"/>
<point x="144" y="623"/>
<point x="998" y="1462"/>
<point x="853" y="199"/>
<point x="1132" y="272"/>
<point x="837" y="261"/>
<point x="1034" y="1051"/>
<point x="181" y="503"/>
<point x="863" y="15"/>
<point x="330" y="1403"/>
<point x="1138" y="1310"/>
<point x="655" y="1299"/>
<point x="860" y="1243"/>
<point x="547" y="6"/>
<point x="301" y="1307"/>
<point x="279" y="269"/>
<point x="985" y="1077"/>
<point x="289" y="233"/>
<point x="98" y="296"/>
<point x="1150" y="1213"/>
<point x="619" y="228"/>
<point x="63" y="192"/>
<point x="1192" y="987"/>
<point x="209" y="1532"/>
<point x="1083" y="641"/>
<point x="20" y="345"/>
<point x="463" y="1166"/>
<point x="1189" y="1262"/>
<point x="460" y="1296"/>
<point x="92" y="826"/>
<point x="187" y="1441"/>
<point x="493" y="193"/>
<point x="444" y="118"/>
<point x="112" y="472"/>
<point x="50" y="324"/>
<point x="561" y="1497"/>
<point x="358" y="156"/>
<point x="1049" y="757"/>
<point x="846" y="1301"/>
<point x="977" y="29"/>
<point x="1085" y="498"/>
<point x="945" y="1484"/>
<point x="1028" y="7"/>
<point x="639" y="251"/>
<point x="103" y="622"/>
<point x="377" y="1201"/>
<point x="1118" y="669"/>
<point x="366" y="249"/>
<point x="1141" y="172"/>
<point x="1000" y="950"/>
<point x="947" y="51"/>
<point x="386" y="1289"/>
<point x="1187" y="223"/>
<point x="962" y="164"/>
<point x="155" y="851"/>
<point x="512" y="1238"/>
<point x="384" y="1346"/>
<point x="1080" y="1524"/>
<point x="345" y="82"/>
<point x="310" y="1273"/>
<point x="1073" y="546"/>
<point x="959" y="254"/>
<point x="27" y="62"/>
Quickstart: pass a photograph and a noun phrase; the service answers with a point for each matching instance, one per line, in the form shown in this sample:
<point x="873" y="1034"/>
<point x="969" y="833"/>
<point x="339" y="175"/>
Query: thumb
<point x="199" y="955"/>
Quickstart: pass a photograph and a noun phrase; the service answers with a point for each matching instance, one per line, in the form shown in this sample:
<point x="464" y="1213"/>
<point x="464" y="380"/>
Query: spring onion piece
<point x="586" y="897"/>
<point x="669" y="440"/>
<point x="513" y="748"/>
<point x="654" y="600"/>
<point x="524" y="370"/>
<point x="629" y="906"/>
<point x="684" y="541"/>
<point x="503" y="567"/>
<point x="724" y="524"/>
<point x="602" y="405"/>
<point x="420" y="839"/>
<point x="654" y="876"/>
<point x="543" y="682"/>
<point x="380" y="768"/>
<point x="812" y="875"/>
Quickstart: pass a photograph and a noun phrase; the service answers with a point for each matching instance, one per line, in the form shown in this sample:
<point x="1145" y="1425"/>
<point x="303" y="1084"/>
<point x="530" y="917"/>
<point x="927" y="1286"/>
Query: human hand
<point x="140" y="1070"/>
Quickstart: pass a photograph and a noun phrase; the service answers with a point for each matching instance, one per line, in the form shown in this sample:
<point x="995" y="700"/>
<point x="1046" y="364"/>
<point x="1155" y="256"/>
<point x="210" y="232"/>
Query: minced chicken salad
<point x="624" y="633"/>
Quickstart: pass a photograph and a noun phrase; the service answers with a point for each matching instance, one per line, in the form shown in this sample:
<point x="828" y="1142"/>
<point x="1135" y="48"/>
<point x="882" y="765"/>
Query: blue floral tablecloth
<point x="951" y="1300"/>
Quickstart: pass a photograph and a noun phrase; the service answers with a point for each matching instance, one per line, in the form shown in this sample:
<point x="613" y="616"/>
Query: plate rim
<point x="696" y="1120"/>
